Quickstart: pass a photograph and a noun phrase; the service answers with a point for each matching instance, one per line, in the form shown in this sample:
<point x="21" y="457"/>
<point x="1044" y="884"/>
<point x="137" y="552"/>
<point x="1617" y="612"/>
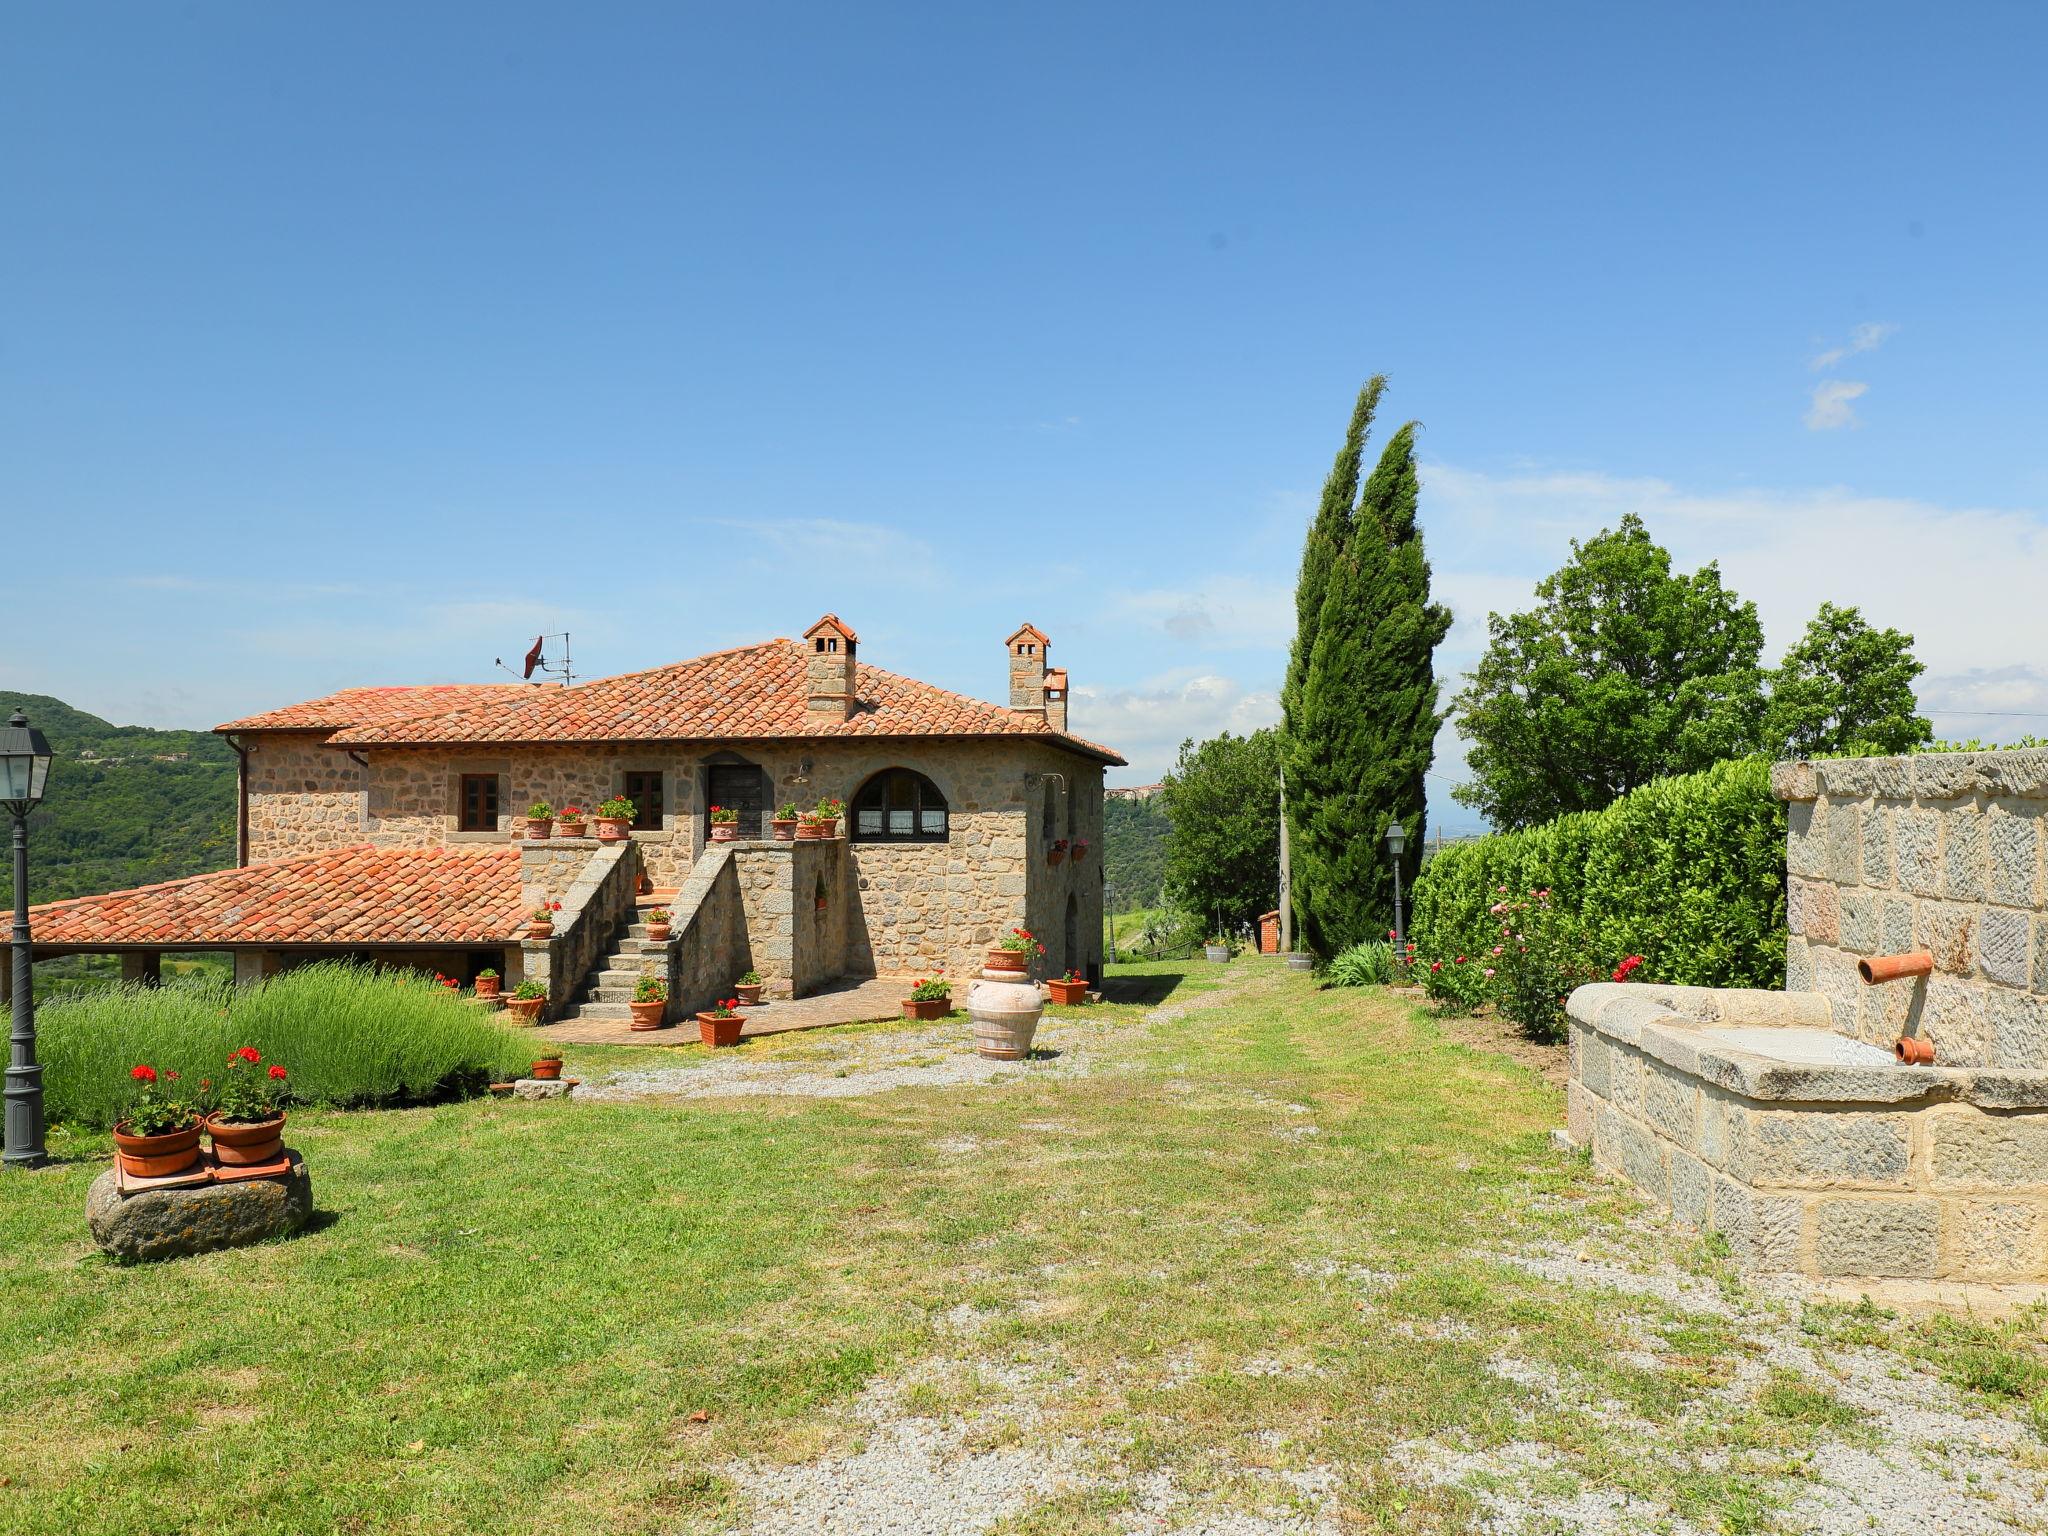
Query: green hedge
<point x="1687" y="872"/>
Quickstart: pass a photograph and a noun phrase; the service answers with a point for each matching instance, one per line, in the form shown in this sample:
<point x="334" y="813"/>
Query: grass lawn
<point x="1255" y="1240"/>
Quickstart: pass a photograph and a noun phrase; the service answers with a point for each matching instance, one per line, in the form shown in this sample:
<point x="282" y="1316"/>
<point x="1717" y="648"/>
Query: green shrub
<point x="1687" y="872"/>
<point x="1370" y="964"/>
<point x="1457" y="985"/>
<point x="350" y="1035"/>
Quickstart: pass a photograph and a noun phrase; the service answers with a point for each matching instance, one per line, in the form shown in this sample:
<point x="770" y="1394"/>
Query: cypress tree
<point x="1328" y="536"/>
<point x="1367" y="714"/>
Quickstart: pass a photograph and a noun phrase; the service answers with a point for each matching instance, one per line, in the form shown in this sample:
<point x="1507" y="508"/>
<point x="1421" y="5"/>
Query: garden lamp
<point x="1397" y="843"/>
<point x="24" y="769"/>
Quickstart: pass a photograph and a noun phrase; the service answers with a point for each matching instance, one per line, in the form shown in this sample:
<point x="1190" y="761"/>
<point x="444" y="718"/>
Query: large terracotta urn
<point x="1005" y="1005"/>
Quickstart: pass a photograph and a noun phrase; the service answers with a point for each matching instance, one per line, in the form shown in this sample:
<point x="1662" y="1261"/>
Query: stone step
<point x="637" y="934"/>
<point x="601" y="1013"/>
<point x="621" y="975"/>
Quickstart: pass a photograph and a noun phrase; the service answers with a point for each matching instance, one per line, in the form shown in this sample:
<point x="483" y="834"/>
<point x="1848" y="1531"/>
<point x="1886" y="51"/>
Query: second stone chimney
<point x="1027" y="650"/>
<point x="1056" y="698"/>
<point x="828" y="670"/>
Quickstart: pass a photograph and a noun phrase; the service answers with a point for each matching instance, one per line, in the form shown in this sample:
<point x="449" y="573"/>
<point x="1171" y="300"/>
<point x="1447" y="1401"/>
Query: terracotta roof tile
<point x="756" y="692"/>
<point x="374" y="706"/>
<point x="360" y="895"/>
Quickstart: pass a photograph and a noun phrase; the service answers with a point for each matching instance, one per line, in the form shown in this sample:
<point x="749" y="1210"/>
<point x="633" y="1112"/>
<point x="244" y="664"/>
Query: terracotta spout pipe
<point x="1878" y="968"/>
<point x="1914" y="1053"/>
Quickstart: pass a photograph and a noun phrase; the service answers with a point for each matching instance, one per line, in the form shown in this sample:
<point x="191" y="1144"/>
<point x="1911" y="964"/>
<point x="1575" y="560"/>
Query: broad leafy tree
<point x="1845" y="687"/>
<point x="1624" y="672"/>
<point x="1223" y="854"/>
<point x="1361" y="727"/>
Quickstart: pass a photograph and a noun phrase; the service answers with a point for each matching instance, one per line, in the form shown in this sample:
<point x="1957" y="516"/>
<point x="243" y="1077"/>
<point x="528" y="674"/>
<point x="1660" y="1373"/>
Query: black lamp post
<point x="24" y="768"/>
<point x="1397" y="841"/>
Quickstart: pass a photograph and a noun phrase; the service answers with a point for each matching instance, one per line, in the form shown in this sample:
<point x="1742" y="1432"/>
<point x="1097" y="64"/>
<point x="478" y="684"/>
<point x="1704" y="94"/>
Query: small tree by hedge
<point x="1688" y="872"/>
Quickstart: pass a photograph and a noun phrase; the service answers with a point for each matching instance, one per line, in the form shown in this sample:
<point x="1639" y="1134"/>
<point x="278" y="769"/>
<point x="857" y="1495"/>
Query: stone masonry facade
<point x="1941" y="852"/>
<point x="890" y="908"/>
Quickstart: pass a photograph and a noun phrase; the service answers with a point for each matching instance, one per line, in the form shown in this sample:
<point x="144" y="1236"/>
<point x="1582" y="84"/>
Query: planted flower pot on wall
<point x="156" y="1157"/>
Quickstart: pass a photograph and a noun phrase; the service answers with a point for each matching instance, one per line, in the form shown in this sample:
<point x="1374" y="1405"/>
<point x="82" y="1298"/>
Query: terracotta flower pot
<point x="155" y="1157"/>
<point x="612" y="829"/>
<point x="783" y="831"/>
<point x="657" y="933"/>
<point x="829" y="827"/>
<point x="526" y="1010"/>
<point x="1080" y="852"/>
<point x="548" y="1071"/>
<point x="244" y="1144"/>
<point x="572" y="828"/>
<point x="714" y="1031"/>
<point x="1015" y="961"/>
<point x="725" y="831"/>
<point x="809" y="831"/>
<point x="1068" y="993"/>
<point x="1055" y="856"/>
<point x="487" y="986"/>
<point x="927" y="1008"/>
<point x="538" y="827"/>
<point x="1914" y="1052"/>
<point x="750" y="994"/>
<point x="540" y="930"/>
<point x="648" y="1015"/>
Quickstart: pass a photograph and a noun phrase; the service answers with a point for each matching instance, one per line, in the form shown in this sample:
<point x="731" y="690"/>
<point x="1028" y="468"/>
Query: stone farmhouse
<point x="389" y="824"/>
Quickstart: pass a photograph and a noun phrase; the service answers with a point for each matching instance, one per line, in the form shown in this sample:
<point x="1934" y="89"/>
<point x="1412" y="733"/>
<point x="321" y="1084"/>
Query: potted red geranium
<point x="725" y="824"/>
<point x="650" y="1002"/>
<point x="929" y="999"/>
<point x="245" y="1116"/>
<point x="540" y="923"/>
<point x="1069" y="989"/>
<point x="720" y="1024"/>
<point x="1012" y="955"/>
<point x="828" y="811"/>
<point x="159" y="1135"/>
<point x="540" y="820"/>
<point x="1079" y="850"/>
<point x="614" y="819"/>
<point x="658" y="925"/>
<point x="783" y="824"/>
<point x="571" y="821"/>
<point x="1057" y="853"/>
<point x="748" y="988"/>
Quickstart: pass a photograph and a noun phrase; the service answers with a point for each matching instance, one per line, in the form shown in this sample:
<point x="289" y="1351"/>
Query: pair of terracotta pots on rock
<point x="235" y="1145"/>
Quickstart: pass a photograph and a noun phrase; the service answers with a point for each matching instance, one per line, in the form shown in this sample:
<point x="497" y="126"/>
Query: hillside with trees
<point x="127" y="804"/>
<point x="1134" y="834"/>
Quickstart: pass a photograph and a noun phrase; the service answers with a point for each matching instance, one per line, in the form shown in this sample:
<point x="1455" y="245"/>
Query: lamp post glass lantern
<point x="24" y="770"/>
<point x="1397" y="843"/>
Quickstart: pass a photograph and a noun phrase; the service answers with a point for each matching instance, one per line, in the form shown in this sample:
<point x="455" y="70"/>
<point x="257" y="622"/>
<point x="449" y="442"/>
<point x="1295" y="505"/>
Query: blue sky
<point x="359" y="344"/>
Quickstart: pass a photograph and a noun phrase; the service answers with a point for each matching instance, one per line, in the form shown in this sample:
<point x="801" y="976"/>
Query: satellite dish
<point x="534" y="657"/>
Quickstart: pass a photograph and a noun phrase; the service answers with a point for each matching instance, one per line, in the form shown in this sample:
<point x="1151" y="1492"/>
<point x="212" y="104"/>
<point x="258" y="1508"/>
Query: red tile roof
<point x="360" y="895"/>
<point x="756" y="692"/>
<point x="374" y="706"/>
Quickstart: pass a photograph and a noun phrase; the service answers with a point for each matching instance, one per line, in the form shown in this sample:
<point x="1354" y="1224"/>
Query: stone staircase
<point x="609" y="986"/>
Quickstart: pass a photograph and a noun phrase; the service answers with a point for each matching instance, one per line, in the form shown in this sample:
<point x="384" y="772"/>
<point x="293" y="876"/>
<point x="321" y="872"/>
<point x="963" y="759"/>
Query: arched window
<point x="898" y="806"/>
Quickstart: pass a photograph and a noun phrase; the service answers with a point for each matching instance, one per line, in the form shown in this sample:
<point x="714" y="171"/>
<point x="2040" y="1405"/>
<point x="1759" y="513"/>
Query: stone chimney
<point x="1027" y="650"/>
<point x="1056" y="698"/>
<point x="828" y="670"/>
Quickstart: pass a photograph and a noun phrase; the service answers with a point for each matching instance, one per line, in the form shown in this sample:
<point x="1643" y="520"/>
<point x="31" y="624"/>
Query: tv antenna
<point x="537" y="660"/>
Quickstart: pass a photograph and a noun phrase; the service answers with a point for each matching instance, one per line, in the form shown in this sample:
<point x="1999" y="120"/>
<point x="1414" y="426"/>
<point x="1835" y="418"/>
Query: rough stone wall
<point x="710" y="945"/>
<point x="1941" y="852"/>
<point x="1921" y="1191"/>
<point x="595" y="883"/>
<point x="303" y="798"/>
<point x="891" y="908"/>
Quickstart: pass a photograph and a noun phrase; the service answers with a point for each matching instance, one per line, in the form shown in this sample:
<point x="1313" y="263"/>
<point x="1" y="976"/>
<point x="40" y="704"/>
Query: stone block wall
<point x="1901" y="1184"/>
<point x="303" y="798"/>
<point x="595" y="883"/>
<point x="1942" y="852"/>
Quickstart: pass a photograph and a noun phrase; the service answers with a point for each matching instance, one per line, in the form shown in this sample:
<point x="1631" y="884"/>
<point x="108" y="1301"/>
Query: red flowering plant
<point x="931" y="990"/>
<point x="725" y="1008"/>
<point x="1073" y="976"/>
<point x="1542" y="955"/>
<point x="545" y="912"/>
<point x="250" y="1091"/>
<point x="156" y="1109"/>
<point x="1458" y="985"/>
<point x="722" y="814"/>
<point x="1021" y="941"/>
<point x="1627" y="969"/>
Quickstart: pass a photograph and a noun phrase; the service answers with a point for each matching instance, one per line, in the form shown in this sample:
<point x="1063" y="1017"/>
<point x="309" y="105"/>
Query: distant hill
<point x="127" y="804"/>
<point x="1134" y="834"/>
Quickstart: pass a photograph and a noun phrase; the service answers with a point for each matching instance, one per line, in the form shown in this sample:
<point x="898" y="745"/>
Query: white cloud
<point x="1831" y="406"/>
<point x="1147" y="723"/>
<point x="1867" y="337"/>
<point x="1964" y="581"/>
<point x="1222" y="612"/>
